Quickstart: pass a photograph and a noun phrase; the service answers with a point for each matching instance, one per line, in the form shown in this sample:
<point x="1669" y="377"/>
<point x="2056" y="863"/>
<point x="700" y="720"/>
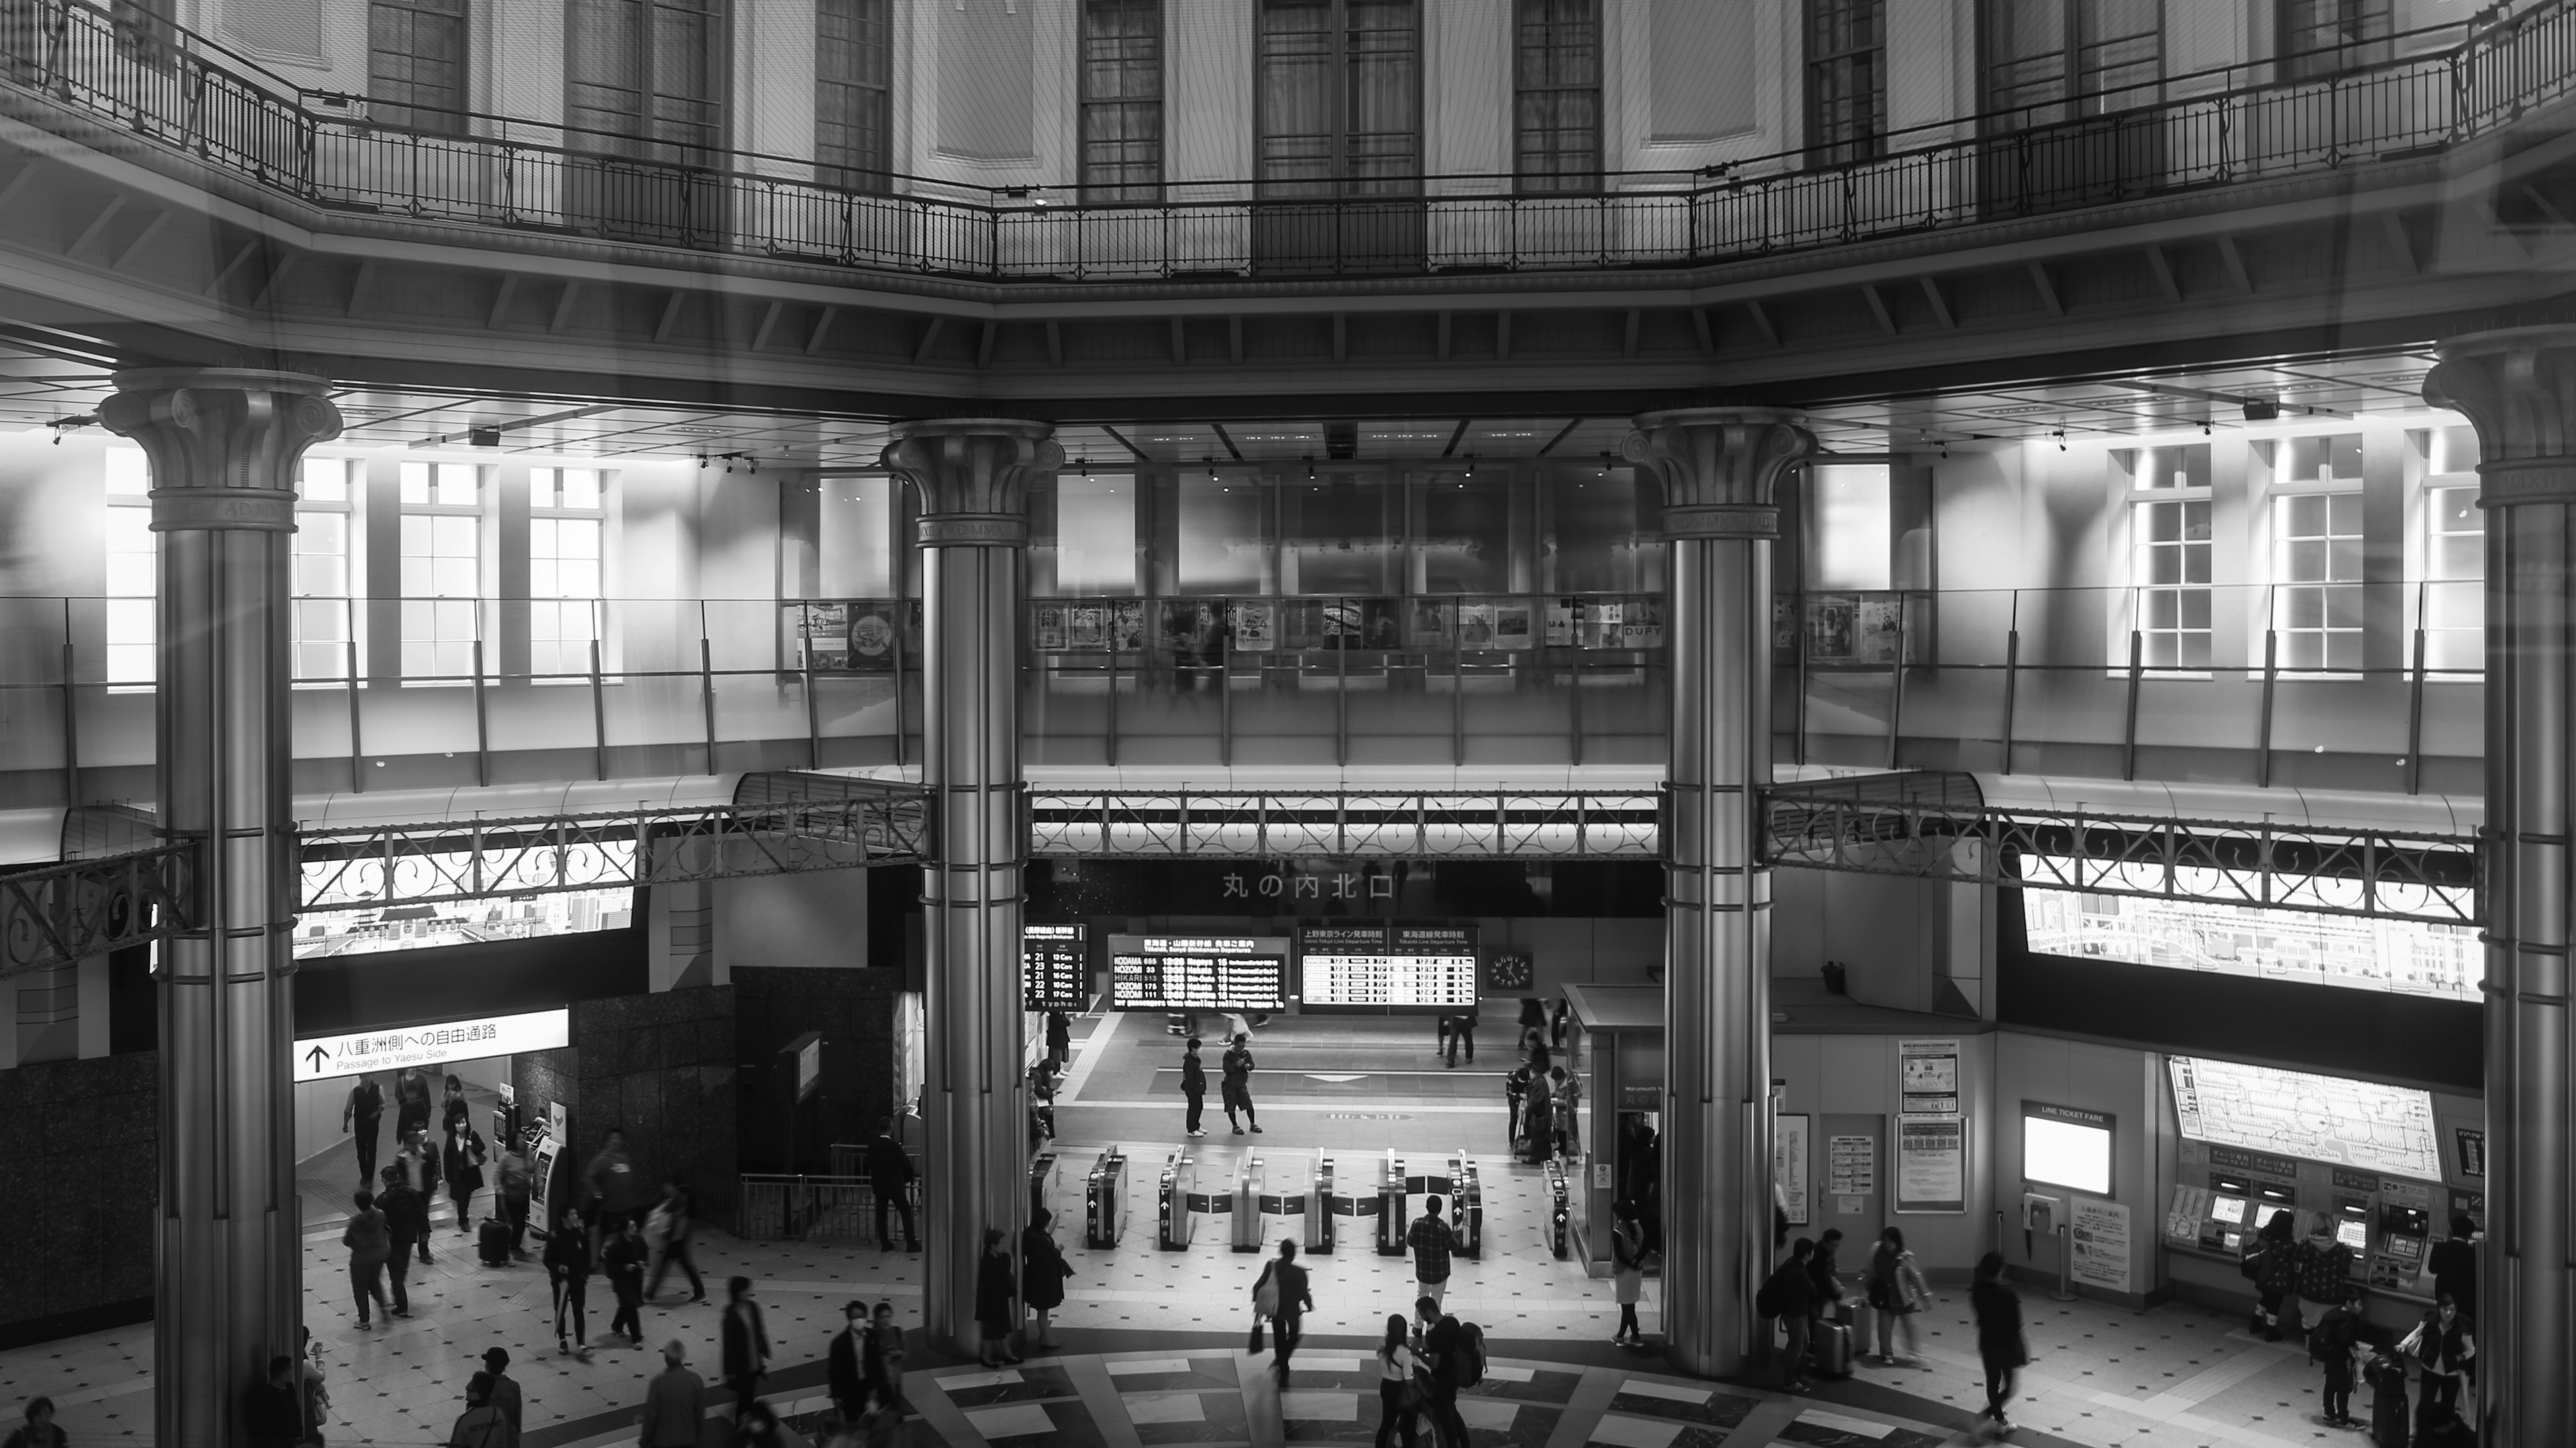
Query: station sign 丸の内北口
<point x="392" y="1048"/>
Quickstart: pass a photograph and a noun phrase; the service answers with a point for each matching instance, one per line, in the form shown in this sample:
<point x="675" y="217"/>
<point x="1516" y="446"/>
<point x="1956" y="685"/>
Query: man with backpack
<point x="2333" y="1343"/>
<point x="1456" y="1351"/>
<point x="1790" y="1295"/>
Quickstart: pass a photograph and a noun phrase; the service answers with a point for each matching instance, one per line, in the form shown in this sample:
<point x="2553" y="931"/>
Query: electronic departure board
<point x="1055" y="968"/>
<point x="1215" y="972"/>
<point x="1403" y="967"/>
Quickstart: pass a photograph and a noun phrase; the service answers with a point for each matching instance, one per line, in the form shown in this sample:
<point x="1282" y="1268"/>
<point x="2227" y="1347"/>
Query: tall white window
<point x="2455" y="554"/>
<point x="326" y="571"/>
<point x="566" y="528"/>
<point x="2169" y="553"/>
<point x="442" y="570"/>
<point x="133" y="568"/>
<point x="2316" y="554"/>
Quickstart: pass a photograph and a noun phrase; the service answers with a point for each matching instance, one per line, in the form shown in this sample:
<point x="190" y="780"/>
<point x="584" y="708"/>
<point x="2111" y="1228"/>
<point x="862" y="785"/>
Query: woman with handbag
<point x="2000" y="1344"/>
<point x="1397" y="1362"/>
<point x="1282" y="1295"/>
<point x="1628" y="1270"/>
<point x="463" y="1163"/>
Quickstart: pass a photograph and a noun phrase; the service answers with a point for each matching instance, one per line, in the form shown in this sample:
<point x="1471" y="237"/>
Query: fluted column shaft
<point x="1719" y="468"/>
<point x="228" y="1291"/>
<point x="972" y="477"/>
<point x="2519" y="389"/>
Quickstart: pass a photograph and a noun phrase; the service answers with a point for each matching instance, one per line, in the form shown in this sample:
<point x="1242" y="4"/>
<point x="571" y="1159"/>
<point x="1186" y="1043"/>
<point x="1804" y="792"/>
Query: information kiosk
<point x="1247" y="1205"/>
<point x="1104" y="1201"/>
<point x="1172" y="1203"/>
<point x="1466" y="1205"/>
<point x="1320" y="1207"/>
<point x="1559" y="1209"/>
<point x="1390" y="1206"/>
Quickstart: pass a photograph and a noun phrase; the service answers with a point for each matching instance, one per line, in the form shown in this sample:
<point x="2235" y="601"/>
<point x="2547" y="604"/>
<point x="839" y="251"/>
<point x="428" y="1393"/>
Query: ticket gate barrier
<point x="1390" y="1206"/>
<point x="1104" y="1201"/>
<point x="1247" y="1205"/>
<point x="1172" y="1221"/>
<point x="1042" y="1174"/>
<point x="1319" y="1207"/>
<point x="1559" y="1211"/>
<point x="1467" y="1206"/>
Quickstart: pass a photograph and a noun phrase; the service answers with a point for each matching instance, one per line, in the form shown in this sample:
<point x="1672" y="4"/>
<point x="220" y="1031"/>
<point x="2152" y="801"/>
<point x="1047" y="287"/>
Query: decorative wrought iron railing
<point x="180" y="91"/>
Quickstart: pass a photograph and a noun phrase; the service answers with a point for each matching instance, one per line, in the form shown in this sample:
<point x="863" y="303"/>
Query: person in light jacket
<point x="481" y="1425"/>
<point x="675" y="1405"/>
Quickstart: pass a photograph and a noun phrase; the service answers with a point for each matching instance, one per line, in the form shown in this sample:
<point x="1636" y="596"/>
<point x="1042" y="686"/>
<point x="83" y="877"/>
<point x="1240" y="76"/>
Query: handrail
<point x="173" y="87"/>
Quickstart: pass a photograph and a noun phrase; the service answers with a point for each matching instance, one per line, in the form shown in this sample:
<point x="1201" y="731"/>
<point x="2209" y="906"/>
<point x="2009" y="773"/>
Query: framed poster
<point x="1932" y="1165"/>
<point x="1789" y="1165"/>
<point x="1851" y="1165"/>
<point x="2098" y="1243"/>
<point x="1927" y="1076"/>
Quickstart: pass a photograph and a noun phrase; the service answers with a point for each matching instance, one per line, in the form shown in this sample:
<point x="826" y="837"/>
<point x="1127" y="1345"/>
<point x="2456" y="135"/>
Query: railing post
<point x="2271" y="676"/>
<point x="2129" y="730"/>
<point x="1112" y="735"/>
<point x="1896" y="688"/>
<point x="71" y="714"/>
<point x="1342" y="699"/>
<point x="598" y="717"/>
<point x="707" y="684"/>
<point x="2415" y="716"/>
<point x="357" y="736"/>
<point x="482" y="723"/>
<point x="2012" y="681"/>
<point x="813" y="717"/>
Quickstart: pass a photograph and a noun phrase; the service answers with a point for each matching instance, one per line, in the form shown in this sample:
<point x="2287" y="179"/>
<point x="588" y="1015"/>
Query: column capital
<point x="973" y="476"/>
<point x="1720" y="466"/>
<point x="2517" y="387"/>
<point x="223" y="441"/>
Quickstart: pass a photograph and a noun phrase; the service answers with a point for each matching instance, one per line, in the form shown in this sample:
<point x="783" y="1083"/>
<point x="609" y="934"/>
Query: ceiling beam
<point x="1562" y="434"/>
<point x="501" y="296"/>
<point x="1341" y="336"/>
<point x="1227" y="438"/>
<point x="240" y="258"/>
<point x="984" y="344"/>
<point x="1503" y="336"/>
<point x="1933" y="294"/>
<point x="1443" y="350"/>
<point x="563" y="308"/>
<point x="1878" y="308"/>
<point x="768" y="324"/>
<point x="358" y="289"/>
<point x="1455" y="438"/>
<point x="2046" y="285"/>
<point x="98" y="223"/>
<point x="1234" y="337"/>
<point x="1180" y="344"/>
<point x="670" y="316"/>
<point x="2234" y="257"/>
<point x="1055" y="342"/>
<point x="134" y="245"/>
<point x="929" y="339"/>
<point x="1701" y="329"/>
<point x="2392" y="227"/>
<point x="1762" y="323"/>
<point x="276" y="278"/>
<point x="823" y="328"/>
<point x="2162" y="266"/>
<point x="1628" y="344"/>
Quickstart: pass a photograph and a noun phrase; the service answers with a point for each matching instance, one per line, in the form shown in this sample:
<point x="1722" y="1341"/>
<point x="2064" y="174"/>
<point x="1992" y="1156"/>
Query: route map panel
<point x="2359" y="1124"/>
<point x="1208" y="972"/>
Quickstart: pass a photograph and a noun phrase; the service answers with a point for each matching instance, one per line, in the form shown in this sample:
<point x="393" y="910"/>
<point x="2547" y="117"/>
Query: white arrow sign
<point x="1337" y="1080"/>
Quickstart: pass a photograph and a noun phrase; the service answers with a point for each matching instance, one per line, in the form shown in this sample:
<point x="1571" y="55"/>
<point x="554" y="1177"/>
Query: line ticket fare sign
<point x="1421" y="967"/>
<point x="1210" y="972"/>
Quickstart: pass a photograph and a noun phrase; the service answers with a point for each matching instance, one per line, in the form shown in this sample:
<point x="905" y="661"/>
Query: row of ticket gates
<point x="1317" y="1214"/>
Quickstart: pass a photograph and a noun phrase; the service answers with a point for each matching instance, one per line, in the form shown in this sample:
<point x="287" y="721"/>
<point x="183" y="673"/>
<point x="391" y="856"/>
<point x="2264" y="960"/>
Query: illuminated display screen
<point x="2364" y="1125"/>
<point x="1178" y="972"/>
<point x="2228" y="1209"/>
<point x="2401" y="956"/>
<point x="1404" y="967"/>
<point x="2353" y="1232"/>
<point x="320" y="933"/>
<point x="2066" y="1153"/>
<point x="1054" y="968"/>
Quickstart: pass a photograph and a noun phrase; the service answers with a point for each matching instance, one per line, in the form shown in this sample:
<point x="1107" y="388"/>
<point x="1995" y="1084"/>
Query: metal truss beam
<point x="59" y="916"/>
<point x="1349" y="824"/>
<point x="1923" y="825"/>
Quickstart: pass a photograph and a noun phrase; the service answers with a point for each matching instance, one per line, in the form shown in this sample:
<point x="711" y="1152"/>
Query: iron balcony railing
<point x="2435" y="88"/>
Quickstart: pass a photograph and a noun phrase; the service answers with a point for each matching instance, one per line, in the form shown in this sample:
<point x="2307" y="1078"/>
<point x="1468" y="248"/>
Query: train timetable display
<point x="1212" y="972"/>
<point x="1402" y="967"/>
<point x="1054" y="968"/>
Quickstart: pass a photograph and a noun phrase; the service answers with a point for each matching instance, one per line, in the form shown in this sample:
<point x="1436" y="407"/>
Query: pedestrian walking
<point x="1628" y="1270"/>
<point x="420" y="1157"/>
<point x="1397" y="1363"/>
<point x="505" y="1388"/>
<point x="39" y="1430"/>
<point x="623" y="1260"/>
<point x="1432" y="1242"/>
<point x="2443" y="1348"/>
<point x="2000" y="1345"/>
<point x="481" y="1425"/>
<point x="1042" y="1273"/>
<point x="1533" y="1025"/>
<point x="746" y="1342"/>
<point x="462" y="1163"/>
<point x="617" y="1190"/>
<point x="317" y="1397"/>
<point x="890" y="1177"/>
<point x="882" y="1367"/>
<point x="1283" y="1295"/>
<point x="411" y="1103"/>
<point x="1462" y="1035"/>
<point x="1566" y="1111"/>
<point x="996" y="1288"/>
<point x="406" y="1222"/>
<point x="1516" y="1091"/>
<point x="1826" y="1269"/>
<point x="1538" y="1119"/>
<point x="845" y="1364"/>
<point x="1789" y="1294"/>
<point x="362" y="1116"/>
<point x="1238" y="1067"/>
<point x="678" y="1214"/>
<point x="1445" y="1347"/>
<point x="369" y="1244"/>
<point x="1560" y="1025"/>
<point x="1896" y="1291"/>
<point x="568" y="1271"/>
<point x="675" y="1404"/>
<point x="514" y="1194"/>
<point x="1193" y="1085"/>
<point x="1059" y="1037"/>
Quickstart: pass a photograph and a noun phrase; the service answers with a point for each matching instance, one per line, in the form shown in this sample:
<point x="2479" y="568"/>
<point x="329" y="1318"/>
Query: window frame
<point x="2143" y="589"/>
<point x="2369" y="28"/>
<point x="1826" y="145"/>
<point x="597" y="514"/>
<point x="1089" y="105"/>
<point x="1337" y="181"/>
<point x="485" y="564"/>
<point x="2078" y="89"/>
<point x="1588" y="177"/>
<point x="407" y="113"/>
<point x="110" y="612"/>
<point x="2281" y="499"/>
<point x="351" y="509"/>
<point x="846" y="99"/>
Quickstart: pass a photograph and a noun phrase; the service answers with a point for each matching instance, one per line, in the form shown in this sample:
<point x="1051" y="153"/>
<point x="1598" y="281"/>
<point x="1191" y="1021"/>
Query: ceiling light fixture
<point x="2060" y="435"/>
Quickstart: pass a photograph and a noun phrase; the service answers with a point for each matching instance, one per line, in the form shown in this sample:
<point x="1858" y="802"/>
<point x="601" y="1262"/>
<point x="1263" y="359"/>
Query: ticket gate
<point x="1466" y="1205"/>
<point x="1104" y="1201"/>
<point x="1319" y="1207"/>
<point x="1560" y="1215"/>
<point x="1172" y="1202"/>
<point x="1390" y="1206"/>
<point x="1042" y="1175"/>
<point x="1247" y="1205"/>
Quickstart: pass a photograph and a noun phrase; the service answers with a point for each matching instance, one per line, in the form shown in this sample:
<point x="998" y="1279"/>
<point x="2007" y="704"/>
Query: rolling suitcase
<point x="2388" y="1426"/>
<point x="494" y="1241"/>
<point x="1833" y="1349"/>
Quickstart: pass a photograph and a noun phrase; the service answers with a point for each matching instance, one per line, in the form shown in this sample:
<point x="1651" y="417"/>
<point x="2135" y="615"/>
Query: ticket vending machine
<point x="1104" y="1201"/>
<point x="1390" y="1206"/>
<point x="1466" y="1206"/>
<point x="1319" y="1207"/>
<point x="2404" y="1235"/>
<point x="1172" y="1203"/>
<point x="1247" y="1205"/>
<point x="1559" y="1210"/>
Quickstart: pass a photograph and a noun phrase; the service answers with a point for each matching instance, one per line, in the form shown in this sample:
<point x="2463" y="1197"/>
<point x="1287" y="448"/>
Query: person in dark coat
<point x="679" y="1218"/>
<point x="2275" y="1259"/>
<point x="2444" y="1349"/>
<point x="1296" y="1299"/>
<point x="623" y="1261"/>
<point x="845" y="1366"/>
<point x="881" y="1361"/>
<point x="274" y="1411"/>
<point x="1042" y="1273"/>
<point x="1059" y="1037"/>
<point x="1792" y="1287"/>
<point x="362" y="1116"/>
<point x="411" y="1103"/>
<point x="1236" y="1085"/>
<point x="423" y="1155"/>
<point x="567" y="1263"/>
<point x="1194" y="1085"/>
<point x="2000" y="1344"/>
<point x="995" y="1290"/>
<point x="2454" y="1265"/>
<point x="746" y="1343"/>
<point x="889" y="1179"/>
<point x="406" y="1222"/>
<point x="462" y="1162"/>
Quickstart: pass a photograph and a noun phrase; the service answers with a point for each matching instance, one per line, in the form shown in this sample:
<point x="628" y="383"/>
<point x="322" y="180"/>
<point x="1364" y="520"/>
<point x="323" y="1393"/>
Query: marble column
<point x="1720" y="468"/>
<point x="971" y="479"/>
<point x="2519" y="390"/>
<point x="228" y="1295"/>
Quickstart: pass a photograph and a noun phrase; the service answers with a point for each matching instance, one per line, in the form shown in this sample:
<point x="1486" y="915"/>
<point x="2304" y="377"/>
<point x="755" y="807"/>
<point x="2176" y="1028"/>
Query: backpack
<point x="1470" y="1356"/>
<point x="1766" y="1299"/>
